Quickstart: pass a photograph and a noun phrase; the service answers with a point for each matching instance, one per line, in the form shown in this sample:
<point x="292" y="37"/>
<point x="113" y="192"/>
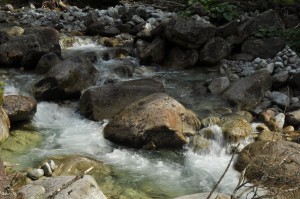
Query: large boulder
<point x="179" y="58"/>
<point x="266" y="20"/>
<point x="26" y="49"/>
<point x="249" y="91"/>
<point x="236" y="129"/>
<point x="75" y="187"/>
<point x="66" y="80"/>
<point x="273" y="165"/>
<point x="156" y="121"/>
<point x="151" y="52"/>
<point x="46" y="62"/>
<point x="104" y="102"/>
<point x="214" y="51"/>
<point x="188" y="33"/>
<point x="19" y="108"/>
<point x="263" y="48"/>
<point x="4" y="125"/>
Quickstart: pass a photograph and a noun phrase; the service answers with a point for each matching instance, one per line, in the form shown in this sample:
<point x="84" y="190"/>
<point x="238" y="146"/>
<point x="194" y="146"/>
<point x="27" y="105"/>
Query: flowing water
<point x="157" y="174"/>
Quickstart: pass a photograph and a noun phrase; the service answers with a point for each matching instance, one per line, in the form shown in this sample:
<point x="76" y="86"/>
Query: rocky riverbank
<point x="258" y="76"/>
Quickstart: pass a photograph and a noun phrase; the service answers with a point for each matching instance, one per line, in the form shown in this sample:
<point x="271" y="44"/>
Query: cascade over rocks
<point x="274" y="165"/>
<point x="26" y="49"/>
<point x="103" y="102"/>
<point x="19" y="108"/>
<point x="156" y="121"/>
<point x="66" y="80"/>
<point x="188" y="33"/>
<point x="249" y="91"/>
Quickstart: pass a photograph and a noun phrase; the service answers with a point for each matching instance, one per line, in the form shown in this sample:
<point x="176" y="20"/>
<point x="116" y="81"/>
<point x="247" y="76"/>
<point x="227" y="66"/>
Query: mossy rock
<point x="236" y="129"/>
<point x="20" y="142"/>
<point x="211" y="120"/>
<point x="269" y="136"/>
<point x="76" y="165"/>
<point x="201" y="144"/>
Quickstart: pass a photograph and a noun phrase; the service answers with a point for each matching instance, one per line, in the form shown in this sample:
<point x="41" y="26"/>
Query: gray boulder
<point x="214" y="51"/>
<point x="72" y="187"/>
<point x="273" y="165"/>
<point x="249" y="91"/>
<point x="105" y="101"/>
<point x="263" y="48"/>
<point x="151" y="52"/>
<point x="156" y="121"/>
<point x="179" y="58"/>
<point x="280" y="79"/>
<point x="218" y="85"/>
<point x="66" y="80"/>
<point x="19" y="108"/>
<point x="188" y="33"/>
<point x="266" y="20"/>
<point x="27" y="49"/>
<point x="46" y="62"/>
<point x="280" y="99"/>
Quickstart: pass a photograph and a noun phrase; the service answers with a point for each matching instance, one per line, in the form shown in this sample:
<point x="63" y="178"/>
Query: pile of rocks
<point x="45" y="170"/>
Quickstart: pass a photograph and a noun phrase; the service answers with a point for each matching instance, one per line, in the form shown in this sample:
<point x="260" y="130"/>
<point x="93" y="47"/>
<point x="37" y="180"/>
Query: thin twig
<point x="221" y="178"/>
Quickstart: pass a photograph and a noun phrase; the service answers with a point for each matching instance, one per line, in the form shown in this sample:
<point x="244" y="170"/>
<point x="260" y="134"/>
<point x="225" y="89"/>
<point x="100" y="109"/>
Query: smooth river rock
<point x="19" y="108"/>
<point x="156" y="121"/>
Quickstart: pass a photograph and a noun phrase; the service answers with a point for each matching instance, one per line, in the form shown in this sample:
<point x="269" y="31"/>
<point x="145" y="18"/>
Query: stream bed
<point x="153" y="174"/>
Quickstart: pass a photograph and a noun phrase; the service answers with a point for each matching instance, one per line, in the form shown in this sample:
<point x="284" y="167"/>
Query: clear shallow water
<point x="159" y="174"/>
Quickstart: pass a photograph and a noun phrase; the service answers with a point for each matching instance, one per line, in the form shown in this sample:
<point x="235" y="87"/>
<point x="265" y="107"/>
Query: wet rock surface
<point x="156" y="121"/>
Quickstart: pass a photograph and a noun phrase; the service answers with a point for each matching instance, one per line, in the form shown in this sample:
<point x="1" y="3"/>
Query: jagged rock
<point x="273" y="165"/>
<point x="214" y="50"/>
<point x="19" y="108"/>
<point x="179" y="58"/>
<point x="263" y="48"/>
<point x="66" y="80"/>
<point x="46" y="62"/>
<point x="249" y="91"/>
<point x="77" y="187"/>
<point x="151" y="52"/>
<point x="27" y="49"/>
<point x="4" y="125"/>
<point x="156" y="121"/>
<point x="218" y="85"/>
<point x="188" y="33"/>
<point x="104" y="102"/>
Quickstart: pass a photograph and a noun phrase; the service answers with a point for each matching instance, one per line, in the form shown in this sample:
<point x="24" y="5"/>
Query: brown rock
<point x="156" y="121"/>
